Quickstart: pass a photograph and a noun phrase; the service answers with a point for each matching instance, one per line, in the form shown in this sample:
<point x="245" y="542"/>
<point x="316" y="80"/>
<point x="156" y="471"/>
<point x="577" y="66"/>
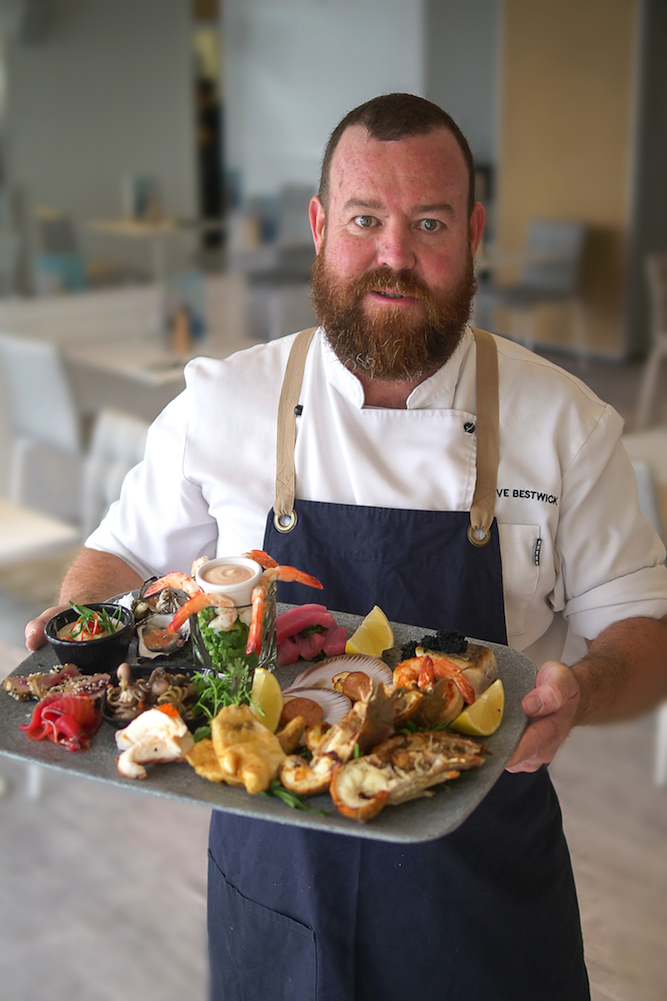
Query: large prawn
<point x="272" y="571"/>
<point x="421" y="672"/>
<point x="227" y="610"/>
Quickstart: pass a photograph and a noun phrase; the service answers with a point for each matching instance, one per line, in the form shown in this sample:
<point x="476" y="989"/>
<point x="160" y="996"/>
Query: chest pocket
<point x="519" y="549"/>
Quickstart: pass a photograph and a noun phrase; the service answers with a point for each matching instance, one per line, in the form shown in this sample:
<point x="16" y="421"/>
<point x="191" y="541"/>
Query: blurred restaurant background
<point x="157" y="158"/>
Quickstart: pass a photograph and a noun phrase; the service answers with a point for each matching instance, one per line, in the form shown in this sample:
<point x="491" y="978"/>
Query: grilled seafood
<point x="129" y="698"/>
<point x="62" y="681"/>
<point x="369" y="721"/>
<point x="422" y="671"/>
<point x="468" y="672"/>
<point x="400" y="769"/>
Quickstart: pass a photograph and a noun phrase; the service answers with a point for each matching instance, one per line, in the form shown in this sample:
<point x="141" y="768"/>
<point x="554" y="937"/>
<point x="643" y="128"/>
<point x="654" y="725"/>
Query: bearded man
<point x="456" y="480"/>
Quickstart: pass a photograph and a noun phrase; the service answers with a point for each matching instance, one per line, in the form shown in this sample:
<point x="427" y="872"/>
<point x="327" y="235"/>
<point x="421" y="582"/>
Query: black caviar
<point x="444" y="641"/>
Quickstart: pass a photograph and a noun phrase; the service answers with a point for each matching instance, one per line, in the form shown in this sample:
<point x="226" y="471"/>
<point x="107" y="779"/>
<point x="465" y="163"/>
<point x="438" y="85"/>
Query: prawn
<point x="176" y="580"/>
<point x="225" y="618"/>
<point x="421" y="672"/>
<point x="272" y="571"/>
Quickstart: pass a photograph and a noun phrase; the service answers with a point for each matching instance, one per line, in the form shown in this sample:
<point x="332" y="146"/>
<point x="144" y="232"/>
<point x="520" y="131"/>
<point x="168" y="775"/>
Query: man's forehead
<point x="358" y="154"/>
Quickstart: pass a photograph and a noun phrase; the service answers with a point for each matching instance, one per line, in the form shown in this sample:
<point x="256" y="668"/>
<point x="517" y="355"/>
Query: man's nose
<point x="396" y="248"/>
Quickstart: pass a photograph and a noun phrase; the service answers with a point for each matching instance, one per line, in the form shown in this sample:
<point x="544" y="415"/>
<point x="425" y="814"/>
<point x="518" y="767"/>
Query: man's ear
<point x="317" y="221"/>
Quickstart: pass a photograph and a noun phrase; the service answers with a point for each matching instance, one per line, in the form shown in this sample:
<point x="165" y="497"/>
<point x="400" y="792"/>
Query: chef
<point x="456" y="480"/>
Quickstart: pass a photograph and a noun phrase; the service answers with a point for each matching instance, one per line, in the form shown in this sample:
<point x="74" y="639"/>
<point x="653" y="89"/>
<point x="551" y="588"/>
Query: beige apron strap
<point x="484" y="499"/>
<point x="284" y="517"/>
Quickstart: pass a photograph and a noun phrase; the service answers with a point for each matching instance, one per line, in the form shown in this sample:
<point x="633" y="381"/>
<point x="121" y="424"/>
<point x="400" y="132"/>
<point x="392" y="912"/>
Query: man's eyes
<point x="427" y="225"/>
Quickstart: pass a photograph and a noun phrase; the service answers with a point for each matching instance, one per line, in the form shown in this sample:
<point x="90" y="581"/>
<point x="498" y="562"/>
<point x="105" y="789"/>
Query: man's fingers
<point x="552" y="705"/>
<point x="555" y="686"/>
<point x="34" y="631"/>
<point x="538" y="745"/>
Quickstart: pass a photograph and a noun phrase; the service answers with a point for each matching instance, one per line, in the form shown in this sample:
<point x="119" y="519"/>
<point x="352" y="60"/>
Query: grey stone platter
<point x="419" y="820"/>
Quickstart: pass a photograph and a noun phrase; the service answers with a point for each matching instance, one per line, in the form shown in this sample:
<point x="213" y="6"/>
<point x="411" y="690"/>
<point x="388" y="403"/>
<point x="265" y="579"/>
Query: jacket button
<point x="469" y="427"/>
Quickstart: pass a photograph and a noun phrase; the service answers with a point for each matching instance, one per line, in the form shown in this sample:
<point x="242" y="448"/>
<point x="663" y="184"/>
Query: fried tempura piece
<point x="248" y="753"/>
<point x="204" y="760"/>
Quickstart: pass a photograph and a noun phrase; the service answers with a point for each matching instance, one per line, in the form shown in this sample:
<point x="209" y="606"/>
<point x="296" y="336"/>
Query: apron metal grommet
<point x="285" y="522"/>
<point x="478" y="536"/>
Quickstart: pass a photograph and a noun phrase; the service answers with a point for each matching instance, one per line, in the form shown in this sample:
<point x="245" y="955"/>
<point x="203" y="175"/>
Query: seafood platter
<point x="362" y="745"/>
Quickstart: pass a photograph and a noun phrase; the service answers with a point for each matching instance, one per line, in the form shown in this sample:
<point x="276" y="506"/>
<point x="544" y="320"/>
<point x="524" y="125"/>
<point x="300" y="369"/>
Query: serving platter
<point x="419" y="820"/>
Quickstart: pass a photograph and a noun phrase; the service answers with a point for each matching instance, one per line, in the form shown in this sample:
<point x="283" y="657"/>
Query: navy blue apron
<point x="489" y="911"/>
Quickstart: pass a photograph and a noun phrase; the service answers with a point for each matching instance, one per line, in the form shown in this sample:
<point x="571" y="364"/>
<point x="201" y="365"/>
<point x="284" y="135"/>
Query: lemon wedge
<point x="373" y="635"/>
<point x="485" y="715"/>
<point x="266" y="699"/>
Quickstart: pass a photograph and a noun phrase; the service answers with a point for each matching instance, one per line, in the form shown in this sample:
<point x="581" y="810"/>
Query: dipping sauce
<point x="226" y="573"/>
<point x="93" y="629"/>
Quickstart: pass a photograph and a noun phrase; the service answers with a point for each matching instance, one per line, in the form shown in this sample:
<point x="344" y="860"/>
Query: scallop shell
<point x="319" y="675"/>
<point x="334" y="704"/>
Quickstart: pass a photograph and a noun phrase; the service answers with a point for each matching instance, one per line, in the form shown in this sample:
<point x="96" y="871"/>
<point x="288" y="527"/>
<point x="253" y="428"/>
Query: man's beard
<point x="388" y="344"/>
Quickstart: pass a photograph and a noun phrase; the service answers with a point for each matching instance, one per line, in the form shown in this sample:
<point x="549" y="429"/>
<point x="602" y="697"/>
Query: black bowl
<point x="92" y="656"/>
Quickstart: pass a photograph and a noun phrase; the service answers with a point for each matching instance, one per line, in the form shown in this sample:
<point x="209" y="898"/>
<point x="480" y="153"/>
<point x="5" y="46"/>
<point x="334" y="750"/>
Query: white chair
<point x="656" y="272"/>
<point x="118" y="443"/>
<point x="45" y="471"/>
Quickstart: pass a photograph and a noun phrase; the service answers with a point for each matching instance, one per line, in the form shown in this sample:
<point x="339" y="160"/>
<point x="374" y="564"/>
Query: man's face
<point x="393" y="280"/>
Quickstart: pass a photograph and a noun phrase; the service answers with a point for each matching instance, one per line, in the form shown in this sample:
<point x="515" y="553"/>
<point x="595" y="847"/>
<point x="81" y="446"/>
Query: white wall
<point x="293" y="68"/>
<point x="108" y="92"/>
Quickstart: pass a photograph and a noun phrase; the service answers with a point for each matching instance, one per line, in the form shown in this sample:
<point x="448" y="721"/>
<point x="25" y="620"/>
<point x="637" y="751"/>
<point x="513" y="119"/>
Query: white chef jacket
<point x="577" y="554"/>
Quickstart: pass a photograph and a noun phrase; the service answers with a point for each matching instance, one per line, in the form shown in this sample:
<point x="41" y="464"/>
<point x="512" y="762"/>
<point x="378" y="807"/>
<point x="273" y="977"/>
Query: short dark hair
<point x="395" y="116"/>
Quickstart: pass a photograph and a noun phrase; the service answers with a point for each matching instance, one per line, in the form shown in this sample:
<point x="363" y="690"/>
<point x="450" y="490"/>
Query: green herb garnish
<point x="90" y="620"/>
<point x="278" y="790"/>
<point x="215" y="691"/>
<point x="226" y="645"/>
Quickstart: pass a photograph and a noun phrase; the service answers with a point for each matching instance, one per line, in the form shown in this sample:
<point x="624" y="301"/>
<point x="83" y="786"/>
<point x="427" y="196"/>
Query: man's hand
<point x="94" y="576"/>
<point x="552" y="707"/>
<point x="34" y="631"/>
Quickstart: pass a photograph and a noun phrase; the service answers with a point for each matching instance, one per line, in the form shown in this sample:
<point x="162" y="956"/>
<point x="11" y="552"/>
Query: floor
<point x="102" y="891"/>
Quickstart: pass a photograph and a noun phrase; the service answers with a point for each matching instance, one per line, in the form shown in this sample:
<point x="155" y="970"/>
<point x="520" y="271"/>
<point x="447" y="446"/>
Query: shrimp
<point x="175" y="579"/>
<point x="225" y="618"/>
<point x="259" y="556"/>
<point x="421" y="672"/>
<point x="197" y="565"/>
<point x="272" y="572"/>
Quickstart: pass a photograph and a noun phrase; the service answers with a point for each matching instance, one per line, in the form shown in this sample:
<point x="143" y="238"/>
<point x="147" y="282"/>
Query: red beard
<point x="389" y="344"/>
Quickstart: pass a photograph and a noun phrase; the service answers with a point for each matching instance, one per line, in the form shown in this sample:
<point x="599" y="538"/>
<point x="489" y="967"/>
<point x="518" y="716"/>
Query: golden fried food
<point x="204" y="760"/>
<point x="248" y="753"/>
